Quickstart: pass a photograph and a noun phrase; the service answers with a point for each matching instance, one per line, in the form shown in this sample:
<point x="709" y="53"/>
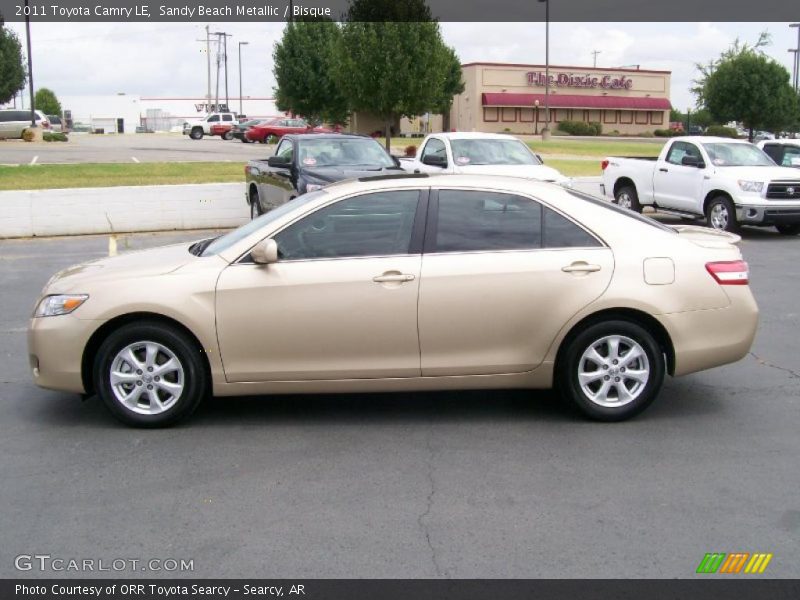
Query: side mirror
<point x="693" y="161"/>
<point x="434" y="160"/>
<point x="280" y="162"/>
<point x="265" y="252"/>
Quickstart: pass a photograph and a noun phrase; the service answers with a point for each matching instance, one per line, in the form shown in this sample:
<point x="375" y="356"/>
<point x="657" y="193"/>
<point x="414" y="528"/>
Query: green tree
<point x="304" y="71"/>
<point x="45" y="100"/>
<point x="453" y="84"/>
<point x="747" y="86"/>
<point x="12" y="66"/>
<point x="393" y="61"/>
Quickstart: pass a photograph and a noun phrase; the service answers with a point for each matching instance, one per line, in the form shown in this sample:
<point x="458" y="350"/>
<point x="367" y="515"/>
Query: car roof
<point x="709" y="139"/>
<point x="789" y="142"/>
<point x="327" y="136"/>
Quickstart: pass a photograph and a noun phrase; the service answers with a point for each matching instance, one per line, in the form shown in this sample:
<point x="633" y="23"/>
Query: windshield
<point x="492" y="152"/>
<point x="224" y="242"/>
<point x="343" y="152"/>
<point x="725" y="154"/>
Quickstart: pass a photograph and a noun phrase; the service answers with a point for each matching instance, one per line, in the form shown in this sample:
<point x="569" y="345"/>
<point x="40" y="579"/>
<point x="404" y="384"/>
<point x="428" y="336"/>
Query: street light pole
<point x="241" y="110"/>
<point x="794" y="68"/>
<point x="546" y="130"/>
<point x="796" y="57"/>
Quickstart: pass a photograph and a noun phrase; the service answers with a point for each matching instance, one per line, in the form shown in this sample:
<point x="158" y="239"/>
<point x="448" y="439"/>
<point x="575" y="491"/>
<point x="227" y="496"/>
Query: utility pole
<point x="208" y="68"/>
<point x="546" y="130"/>
<point x="595" y="53"/>
<point x="241" y="110"/>
<point x="796" y="57"/>
<point x="794" y="68"/>
<point x="30" y="61"/>
<point x="225" y="55"/>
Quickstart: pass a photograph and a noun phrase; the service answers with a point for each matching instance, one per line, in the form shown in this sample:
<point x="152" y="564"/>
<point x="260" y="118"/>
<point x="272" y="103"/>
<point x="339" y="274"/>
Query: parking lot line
<point x="34" y="159"/>
<point x="134" y="159"/>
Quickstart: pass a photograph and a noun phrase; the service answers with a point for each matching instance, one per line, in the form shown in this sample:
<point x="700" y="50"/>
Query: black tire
<point x="613" y="406"/>
<point x="255" y="205"/>
<point x="194" y="377"/>
<point x="245" y="140"/>
<point x="626" y="197"/>
<point x="788" y="229"/>
<point x="196" y="133"/>
<point x="721" y="214"/>
<point x="227" y="136"/>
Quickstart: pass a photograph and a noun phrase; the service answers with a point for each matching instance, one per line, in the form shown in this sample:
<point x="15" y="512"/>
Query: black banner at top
<point x="587" y="11"/>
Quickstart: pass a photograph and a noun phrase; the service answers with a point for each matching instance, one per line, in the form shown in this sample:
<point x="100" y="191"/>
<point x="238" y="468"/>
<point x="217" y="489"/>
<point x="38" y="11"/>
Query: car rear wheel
<point x="788" y="229"/>
<point x="227" y="136"/>
<point x="197" y="133"/>
<point x="150" y="374"/>
<point x="721" y="215"/>
<point x="626" y="197"/>
<point x="611" y="370"/>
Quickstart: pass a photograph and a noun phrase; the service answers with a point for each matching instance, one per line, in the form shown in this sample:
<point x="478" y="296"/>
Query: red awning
<point x="575" y="101"/>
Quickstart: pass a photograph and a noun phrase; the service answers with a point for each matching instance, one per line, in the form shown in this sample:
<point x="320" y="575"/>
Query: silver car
<point x="14" y="121"/>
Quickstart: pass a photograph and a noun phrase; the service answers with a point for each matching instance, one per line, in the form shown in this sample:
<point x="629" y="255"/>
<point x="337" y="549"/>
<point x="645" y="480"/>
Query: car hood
<point x="331" y="174"/>
<point x="539" y="172"/>
<point x="765" y="174"/>
<point x="155" y="261"/>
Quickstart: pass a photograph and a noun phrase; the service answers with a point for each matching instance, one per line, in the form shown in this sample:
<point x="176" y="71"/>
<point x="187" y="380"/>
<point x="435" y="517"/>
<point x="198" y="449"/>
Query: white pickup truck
<point x="728" y="182"/>
<point x="220" y="122"/>
<point x="481" y="153"/>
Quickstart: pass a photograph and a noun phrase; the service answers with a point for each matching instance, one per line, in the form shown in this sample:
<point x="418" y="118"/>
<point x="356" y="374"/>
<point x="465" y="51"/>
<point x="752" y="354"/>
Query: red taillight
<point x="603" y="164"/>
<point x="734" y="272"/>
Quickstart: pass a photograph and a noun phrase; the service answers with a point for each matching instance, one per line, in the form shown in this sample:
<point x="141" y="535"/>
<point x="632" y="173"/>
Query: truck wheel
<point x="227" y="136"/>
<point x="788" y="229"/>
<point x="720" y="214"/>
<point x="626" y="197"/>
<point x="197" y="133"/>
<point x="255" y="205"/>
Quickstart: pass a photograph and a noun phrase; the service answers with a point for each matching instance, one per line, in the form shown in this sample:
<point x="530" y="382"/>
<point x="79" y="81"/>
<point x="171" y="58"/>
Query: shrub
<point x="580" y="128"/>
<point x="647" y="134"/>
<point x="721" y="131"/>
<point x="27" y="135"/>
<point x="54" y="136"/>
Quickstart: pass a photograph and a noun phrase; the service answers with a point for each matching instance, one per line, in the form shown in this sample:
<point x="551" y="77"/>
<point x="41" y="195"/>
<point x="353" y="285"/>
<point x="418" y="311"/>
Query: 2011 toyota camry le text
<point x="402" y="283"/>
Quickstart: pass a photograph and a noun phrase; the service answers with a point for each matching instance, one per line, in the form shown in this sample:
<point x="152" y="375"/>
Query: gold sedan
<point x="402" y="283"/>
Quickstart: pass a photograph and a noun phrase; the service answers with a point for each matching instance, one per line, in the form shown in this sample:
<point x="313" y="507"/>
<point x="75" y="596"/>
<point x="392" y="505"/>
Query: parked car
<point x="479" y="153"/>
<point x="407" y="282"/>
<point x="785" y="152"/>
<point x="239" y="129"/>
<point x="57" y="124"/>
<point x="274" y="129"/>
<point x="13" y="122"/>
<point x="307" y="162"/>
<point x="197" y="128"/>
<point x="729" y="182"/>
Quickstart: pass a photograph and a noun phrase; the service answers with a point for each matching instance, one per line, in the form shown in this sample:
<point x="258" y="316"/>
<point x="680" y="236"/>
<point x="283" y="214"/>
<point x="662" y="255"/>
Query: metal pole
<point x="208" y="67"/>
<point x="30" y="61"/>
<point x="794" y="68"/>
<point x="796" y="57"/>
<point x="547" y="63"/>
<point x="241" y="110"/>
<point x="216" y="97"/>
<point x="225" y="55"/>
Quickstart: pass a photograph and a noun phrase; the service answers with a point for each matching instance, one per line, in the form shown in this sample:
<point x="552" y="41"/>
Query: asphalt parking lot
<point x="467" y="484"/>
<point x="150" y="147"/>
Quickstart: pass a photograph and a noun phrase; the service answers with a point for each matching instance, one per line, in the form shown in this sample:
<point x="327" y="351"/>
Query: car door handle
<point x="663" y="170"/>
<point x="394" y="277"/>
<point x="580" y="267"/>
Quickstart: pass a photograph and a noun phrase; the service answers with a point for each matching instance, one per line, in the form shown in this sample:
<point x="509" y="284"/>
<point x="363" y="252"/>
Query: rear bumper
<point x="704" y="339"/>
<point x="767" y="215"/>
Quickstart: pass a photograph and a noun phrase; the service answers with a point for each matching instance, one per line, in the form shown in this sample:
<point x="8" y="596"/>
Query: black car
<point x="240" y="128"/>
<point x="306" y="162"/>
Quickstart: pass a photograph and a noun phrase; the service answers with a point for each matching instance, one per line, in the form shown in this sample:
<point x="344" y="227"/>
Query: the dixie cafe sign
<point x="609" y="82"/>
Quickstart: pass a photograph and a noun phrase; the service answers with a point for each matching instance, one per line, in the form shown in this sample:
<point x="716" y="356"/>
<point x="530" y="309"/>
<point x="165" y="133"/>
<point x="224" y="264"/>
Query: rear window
<point x="622" y="211"/>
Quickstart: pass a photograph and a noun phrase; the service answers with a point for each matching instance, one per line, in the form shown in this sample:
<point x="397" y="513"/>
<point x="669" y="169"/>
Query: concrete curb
<point x="77" y="211"/>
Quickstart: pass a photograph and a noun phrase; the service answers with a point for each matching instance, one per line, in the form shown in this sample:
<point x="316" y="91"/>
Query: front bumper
<point x="55" y="351"/>
<point x="767" y="215"/>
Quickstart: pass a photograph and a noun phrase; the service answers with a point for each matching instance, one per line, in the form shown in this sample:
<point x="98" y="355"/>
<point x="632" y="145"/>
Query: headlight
<point x="313" y="187"/>
<point x="751" y="186"/>
<point x="60" y="304"/>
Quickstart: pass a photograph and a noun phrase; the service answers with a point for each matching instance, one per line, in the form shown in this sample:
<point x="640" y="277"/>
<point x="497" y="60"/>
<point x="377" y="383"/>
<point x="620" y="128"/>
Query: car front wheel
<point x="720" y="214"/>
<point x="197" y="133"/>
<point x="150" y="374"/>
<point x="612" y="370"/>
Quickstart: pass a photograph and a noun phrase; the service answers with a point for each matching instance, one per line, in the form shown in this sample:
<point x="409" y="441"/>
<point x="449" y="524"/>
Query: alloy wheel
<point x="146" y="377"/>
<point x="613" y="371"/>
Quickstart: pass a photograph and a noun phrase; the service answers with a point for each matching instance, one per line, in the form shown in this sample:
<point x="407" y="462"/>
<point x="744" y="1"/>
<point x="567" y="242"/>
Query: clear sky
<point x="164" y="59"/>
